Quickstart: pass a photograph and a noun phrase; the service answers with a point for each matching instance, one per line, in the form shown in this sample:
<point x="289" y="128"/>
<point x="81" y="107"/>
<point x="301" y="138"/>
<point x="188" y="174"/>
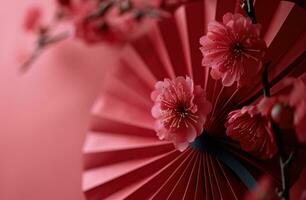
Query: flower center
<point x="237" y="49"/>
<point x="176" y="114"/>
<point x="182" y="110"/>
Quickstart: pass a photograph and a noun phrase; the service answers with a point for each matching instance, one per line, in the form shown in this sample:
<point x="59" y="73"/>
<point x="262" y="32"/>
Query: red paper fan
<point x="124" y="158"/>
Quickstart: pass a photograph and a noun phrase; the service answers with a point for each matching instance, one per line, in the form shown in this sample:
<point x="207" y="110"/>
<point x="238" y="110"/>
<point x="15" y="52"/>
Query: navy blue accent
<point x="207" y="144"/>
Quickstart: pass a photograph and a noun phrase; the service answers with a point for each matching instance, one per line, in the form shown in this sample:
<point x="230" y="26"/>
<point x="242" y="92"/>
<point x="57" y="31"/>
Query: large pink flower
<point x="288" y="110"/>
<point x="253" y="131"/>
<point x="181" y="110"/>
<point x="233" y="49"/>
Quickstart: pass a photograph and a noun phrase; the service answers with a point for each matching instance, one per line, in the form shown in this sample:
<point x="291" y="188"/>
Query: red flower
<point x="233" y="49"/>
<point x="181" y="110"/>
<point x="111" y="26"/>
<point x="91" y="30"/>
<point x="253" y="131"/>
<point x="288" y="110"/>
<point x="32" y="19"/>
<point x="94" y="32"/>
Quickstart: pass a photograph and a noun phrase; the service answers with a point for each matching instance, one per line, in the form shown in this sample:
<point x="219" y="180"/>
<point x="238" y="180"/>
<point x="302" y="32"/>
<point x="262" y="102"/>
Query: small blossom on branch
<point x="43" y="33"/>
<point x="42" y="42"/>
<point x="32" y="19"/>
<point x="288" y="110"/>
<point x="253" y="131"/>
<point x="113" y="21"/>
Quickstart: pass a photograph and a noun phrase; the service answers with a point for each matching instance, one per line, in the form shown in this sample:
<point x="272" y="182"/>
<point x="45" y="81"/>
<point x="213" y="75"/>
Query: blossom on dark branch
<point x="114" y="22"/>
<point x="32" y="19"/>
<point x="233" y="49"/>
<point x="288" y="110"/>
<point x="253" y="131"/>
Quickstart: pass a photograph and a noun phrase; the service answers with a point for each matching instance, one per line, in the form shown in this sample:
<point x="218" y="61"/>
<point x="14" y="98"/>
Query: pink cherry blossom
<point x="95" y="31"/>
<point x="180" y="109"/>
<point x="288" y="110"/>
<point x="253" y="131"/>
<point x="297" y="100"/>
<point x="91" y="30"/>
<point x="32" y="19"/>
<point x="112" y="26"/>
<point x="233" y="49"/>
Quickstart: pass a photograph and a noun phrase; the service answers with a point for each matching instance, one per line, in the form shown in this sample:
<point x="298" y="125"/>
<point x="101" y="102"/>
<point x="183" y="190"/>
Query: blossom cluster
<point x="114" y="22"/>
<point x="94" y="21"/>
<point x="234" y="51"/>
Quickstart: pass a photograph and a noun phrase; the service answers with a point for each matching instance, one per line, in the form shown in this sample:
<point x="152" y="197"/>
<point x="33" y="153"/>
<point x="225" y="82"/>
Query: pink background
<point x="44" y="114"/>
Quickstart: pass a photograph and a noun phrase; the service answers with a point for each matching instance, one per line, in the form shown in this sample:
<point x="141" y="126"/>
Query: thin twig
<point x="247" y="5"/>
<point x="35" y="54"/>
<point x="265" y="79"/>
<point x="42" y="42"/>
<point x="284" y="161"/>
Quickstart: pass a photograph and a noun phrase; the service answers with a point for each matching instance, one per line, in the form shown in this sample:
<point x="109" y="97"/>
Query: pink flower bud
<point x="283" y="115"/>
<point x="32" y="19"/>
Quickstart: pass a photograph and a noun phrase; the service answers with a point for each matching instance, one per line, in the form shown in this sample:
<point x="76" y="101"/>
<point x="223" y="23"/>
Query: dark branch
<point x="248" y="7"/>
<point x="42" y="42"/>
<point x="265" y="79"/>
<point x="283" y="160"/>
